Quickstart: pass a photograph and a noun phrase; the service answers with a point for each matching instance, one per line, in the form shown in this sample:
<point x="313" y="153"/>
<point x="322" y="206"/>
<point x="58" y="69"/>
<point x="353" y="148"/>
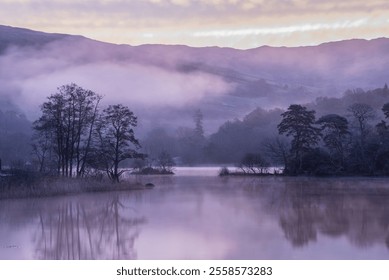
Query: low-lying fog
<point x="205" y="217"/>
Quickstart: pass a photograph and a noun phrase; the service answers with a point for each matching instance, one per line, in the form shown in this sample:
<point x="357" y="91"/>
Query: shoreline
<point x="50" y="187"/>
<point x="53" y="186"/>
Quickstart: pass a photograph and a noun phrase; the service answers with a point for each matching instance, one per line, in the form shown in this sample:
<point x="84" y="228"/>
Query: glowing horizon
<point x="229" y="23"/>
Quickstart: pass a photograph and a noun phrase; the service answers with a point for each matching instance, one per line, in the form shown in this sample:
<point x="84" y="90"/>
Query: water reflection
<point x="195" y="217"/>
<point x="79" y="230"/>
<point x="355" y="208"/>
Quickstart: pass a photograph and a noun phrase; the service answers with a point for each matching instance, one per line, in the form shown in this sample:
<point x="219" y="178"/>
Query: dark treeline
<point x="354" y="144"/>
<point x="75" y="137"/>
<point x="346" y="135"/>
<point x="228" y="145"/>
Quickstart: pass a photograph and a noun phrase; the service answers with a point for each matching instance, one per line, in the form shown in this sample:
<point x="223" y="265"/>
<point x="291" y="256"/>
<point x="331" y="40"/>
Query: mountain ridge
<point x="57" y="35"/>
<point x="224" y="82"/>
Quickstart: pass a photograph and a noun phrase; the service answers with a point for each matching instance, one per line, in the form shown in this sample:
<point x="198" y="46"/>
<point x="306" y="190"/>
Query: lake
<point x="198" y="215"/>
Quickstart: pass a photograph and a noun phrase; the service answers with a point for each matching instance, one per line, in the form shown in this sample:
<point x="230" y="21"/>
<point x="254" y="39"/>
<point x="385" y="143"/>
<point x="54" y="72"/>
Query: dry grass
<point x="52" y="186"/>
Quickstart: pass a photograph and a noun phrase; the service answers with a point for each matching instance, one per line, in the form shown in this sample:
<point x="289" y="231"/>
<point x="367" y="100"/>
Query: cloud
<point x="120" y="75"/>
<point x="175" y="21"/>
<point x="281" y="29"/>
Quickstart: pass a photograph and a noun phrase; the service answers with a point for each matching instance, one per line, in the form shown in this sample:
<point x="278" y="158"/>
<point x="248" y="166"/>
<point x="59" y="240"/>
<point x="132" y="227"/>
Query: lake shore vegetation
<point x="26" y="184"/>
<point x="76" y="139"/>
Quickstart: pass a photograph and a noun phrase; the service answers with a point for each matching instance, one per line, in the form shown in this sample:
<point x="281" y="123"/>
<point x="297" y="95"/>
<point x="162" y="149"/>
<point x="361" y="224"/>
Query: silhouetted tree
<point x="298" y="122"/>
<point x="335" y="135"/>
<point x="116" y="140"/>
<point x="361" y="115"/>
<point x="254" y="163"/>
<point x="67" y="122"/>
<point x="42" y="149"/>
<point x="382" y="161"/>
<point x="277" y="149"/>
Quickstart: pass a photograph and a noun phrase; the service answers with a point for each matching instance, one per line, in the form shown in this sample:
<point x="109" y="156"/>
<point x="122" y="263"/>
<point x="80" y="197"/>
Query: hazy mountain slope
<point x="165" y="84"/>
<point x="15" y="136"/>
<point x="21" y="37"/>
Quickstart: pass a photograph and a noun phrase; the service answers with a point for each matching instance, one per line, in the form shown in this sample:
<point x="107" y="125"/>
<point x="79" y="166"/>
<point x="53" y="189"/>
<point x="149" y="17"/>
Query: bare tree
<point x="277" y="150"/>
<point x="42" y="149"/>
<point x="254" y="163"/>
<point x="67" y="121"/>
<point x="116" y="140"/>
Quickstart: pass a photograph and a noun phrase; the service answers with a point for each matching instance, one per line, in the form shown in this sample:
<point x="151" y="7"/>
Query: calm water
<point x="196" y="215"/>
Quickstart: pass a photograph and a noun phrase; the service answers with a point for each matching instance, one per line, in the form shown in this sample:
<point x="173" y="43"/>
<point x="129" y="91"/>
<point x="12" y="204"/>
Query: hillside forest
<point x="76" y="137"/>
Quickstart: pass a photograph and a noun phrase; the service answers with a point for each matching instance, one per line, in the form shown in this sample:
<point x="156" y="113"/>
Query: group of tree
<point x="228" y="145"/>
<point x="343" y="139"/>
<point x="73" y="136"/>
<point x="353" y="144"/>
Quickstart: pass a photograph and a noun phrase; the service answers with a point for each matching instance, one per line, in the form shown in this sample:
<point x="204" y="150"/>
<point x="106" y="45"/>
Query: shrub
<point x="224" y="171"/>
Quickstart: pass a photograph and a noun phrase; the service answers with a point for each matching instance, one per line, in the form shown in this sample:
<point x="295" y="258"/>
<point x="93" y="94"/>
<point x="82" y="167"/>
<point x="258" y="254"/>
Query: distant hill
<point x="165" y="84"/>
<point x="21" y="37"/>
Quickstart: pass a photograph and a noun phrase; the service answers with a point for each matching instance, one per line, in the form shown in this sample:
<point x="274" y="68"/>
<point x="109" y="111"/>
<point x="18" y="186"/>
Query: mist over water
<point x="160" y="82"/>
<point x="205" y="217"/>
<point x="195" y="214"/>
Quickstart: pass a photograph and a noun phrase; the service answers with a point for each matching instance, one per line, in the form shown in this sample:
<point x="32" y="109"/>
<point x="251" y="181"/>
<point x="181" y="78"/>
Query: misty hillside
<point x="21" y="37"/>
<point x="15" y="135"/>
<point x="165" y="84"/>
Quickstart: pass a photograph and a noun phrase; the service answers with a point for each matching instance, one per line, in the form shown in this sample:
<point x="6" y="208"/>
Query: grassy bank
<point x="34" y="185"/>
<point x="224" y="171"/>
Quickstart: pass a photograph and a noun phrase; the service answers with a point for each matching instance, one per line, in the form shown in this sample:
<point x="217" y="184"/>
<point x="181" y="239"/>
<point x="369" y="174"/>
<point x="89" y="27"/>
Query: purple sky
<point x="230" y="23"/>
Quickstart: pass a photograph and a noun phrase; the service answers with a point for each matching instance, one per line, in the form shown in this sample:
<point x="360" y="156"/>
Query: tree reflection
<point x="234" y="212"/>
<point x="77" y="230"/>
<point x="299" y="225"/>
<point x="335" y="208"/>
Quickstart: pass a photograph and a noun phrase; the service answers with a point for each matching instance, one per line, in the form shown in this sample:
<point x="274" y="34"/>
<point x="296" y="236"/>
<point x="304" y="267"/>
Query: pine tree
<point x="298" y="122"/>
